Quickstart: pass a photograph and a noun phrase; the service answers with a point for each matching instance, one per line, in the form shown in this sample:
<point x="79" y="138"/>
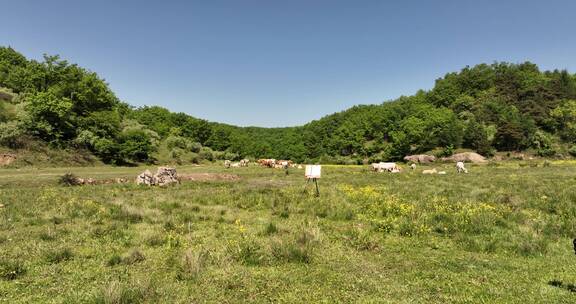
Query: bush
<point x="135" y="145"/>
<point x="572" y="151"/>
<point x="114" y="260"/>
<point x="11" y="134"/>
<point x="206" y="154"/>
<point x="176" y="142"/>
<point x="546" y="152"/>
<point x="446" y="152"/>
<point x="194" y="147"/>
<point x="69" y="179"/>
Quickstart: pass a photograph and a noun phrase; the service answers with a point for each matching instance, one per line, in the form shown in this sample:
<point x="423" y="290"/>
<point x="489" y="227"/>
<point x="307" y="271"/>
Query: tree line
<point x="486" y="108"/>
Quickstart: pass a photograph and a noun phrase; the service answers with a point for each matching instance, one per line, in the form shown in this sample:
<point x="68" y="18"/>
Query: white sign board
<point x="313" y="171"/>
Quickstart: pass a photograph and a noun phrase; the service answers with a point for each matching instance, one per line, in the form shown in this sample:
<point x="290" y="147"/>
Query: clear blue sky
<point x="283" y="63"/>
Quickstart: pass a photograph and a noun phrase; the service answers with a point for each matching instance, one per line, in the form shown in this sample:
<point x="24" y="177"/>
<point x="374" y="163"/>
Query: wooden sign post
<point x="313" y="173"/>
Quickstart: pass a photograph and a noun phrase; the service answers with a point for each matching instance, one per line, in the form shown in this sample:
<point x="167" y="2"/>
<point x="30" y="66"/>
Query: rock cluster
<point x="467" y="157"/>
<point x="420" y="158"/>
<point x="164" y="176"/>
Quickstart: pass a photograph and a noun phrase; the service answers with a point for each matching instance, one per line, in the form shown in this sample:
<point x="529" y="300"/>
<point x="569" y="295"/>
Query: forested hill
<point x="487" y="108"/>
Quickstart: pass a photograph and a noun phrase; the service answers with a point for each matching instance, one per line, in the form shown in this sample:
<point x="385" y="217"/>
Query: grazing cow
<point x="267" y="162"/>
<point x="432" y="171"/>
<point x="388" y="167"/>
<point x="413" y="166"/>
<point x="235" y="165"/>
<point x="227" y="164"/>
<point x="460" y="168"/>
<point x="244" y="162"/>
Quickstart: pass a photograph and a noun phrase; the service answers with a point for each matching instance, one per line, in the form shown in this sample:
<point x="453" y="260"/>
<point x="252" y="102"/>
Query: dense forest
<point x="486" y="108"/>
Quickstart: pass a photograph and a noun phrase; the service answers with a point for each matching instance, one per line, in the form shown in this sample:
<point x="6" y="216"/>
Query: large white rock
<point x="145" y="178"/>
<point x="165" y="176"/>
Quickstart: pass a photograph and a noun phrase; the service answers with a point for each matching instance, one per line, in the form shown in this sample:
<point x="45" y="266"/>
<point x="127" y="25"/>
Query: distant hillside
<point x="487" y="108"/>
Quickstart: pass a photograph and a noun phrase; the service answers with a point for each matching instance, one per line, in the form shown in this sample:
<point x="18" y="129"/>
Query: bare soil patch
<point x="208" y="177"/>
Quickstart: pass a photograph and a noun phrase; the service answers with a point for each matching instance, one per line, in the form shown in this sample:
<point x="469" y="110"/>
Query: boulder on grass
<point x="466" y="157"/>
<point x="420" y="158"/>
<point x="145" y="178"/>
<point x="165" y="176"/>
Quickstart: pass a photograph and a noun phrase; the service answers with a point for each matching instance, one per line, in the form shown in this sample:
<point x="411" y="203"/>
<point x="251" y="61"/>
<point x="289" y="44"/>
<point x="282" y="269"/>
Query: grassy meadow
<point x="500" y="234"/>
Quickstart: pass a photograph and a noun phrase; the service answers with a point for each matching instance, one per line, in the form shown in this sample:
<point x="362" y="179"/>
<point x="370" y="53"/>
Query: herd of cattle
<point x="376" y="167"/>
<point x="394" y="168"/>
<point x="268" y="163"/>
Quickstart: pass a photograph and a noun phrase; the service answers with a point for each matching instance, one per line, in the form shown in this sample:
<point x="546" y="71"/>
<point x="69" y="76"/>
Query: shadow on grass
<point x="560" y="284"/>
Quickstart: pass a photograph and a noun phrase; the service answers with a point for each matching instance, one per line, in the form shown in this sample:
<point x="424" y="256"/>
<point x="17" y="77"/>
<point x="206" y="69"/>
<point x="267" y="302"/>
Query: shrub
<point x="114" y="260"/>
<point x="194" y="147"/>
<point x="446" y="152"/>
<point x="135" y="145"/>
<point x="174" y="141"/>
<point x="546" y="152"/>
<point x="206" y="154"/>
<point x="12" y="133"/>
<point x="69" y="179"/>
<point x="572" y="151"/>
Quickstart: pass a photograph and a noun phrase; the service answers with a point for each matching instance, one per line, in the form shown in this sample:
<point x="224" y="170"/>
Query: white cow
<point x="389" y="167"/>
<point x="244" y="162"/>
<point x="460" y="167"/>
<point x="432" y="171"/>
<point x="227" y="164"/>
<point x="235" y="165"/>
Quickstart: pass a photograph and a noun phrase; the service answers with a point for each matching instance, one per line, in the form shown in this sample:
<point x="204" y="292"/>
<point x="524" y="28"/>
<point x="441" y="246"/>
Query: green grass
<point x="501" y="233"/>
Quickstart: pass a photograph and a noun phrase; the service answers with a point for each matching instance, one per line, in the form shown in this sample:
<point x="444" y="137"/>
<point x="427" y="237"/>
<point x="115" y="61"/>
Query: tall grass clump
<point x="248" y="252"/>
<point x="193" y="263"/>
<point x="299" y="248"/>
<point x="11" y="270"/>
<point x="59" y="255"/>
<point x="270" y="229"/>
<point x="118" y="293"/>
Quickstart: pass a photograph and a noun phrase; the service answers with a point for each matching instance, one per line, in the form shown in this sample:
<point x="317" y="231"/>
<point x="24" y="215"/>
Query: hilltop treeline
<point x="487" y="108"/>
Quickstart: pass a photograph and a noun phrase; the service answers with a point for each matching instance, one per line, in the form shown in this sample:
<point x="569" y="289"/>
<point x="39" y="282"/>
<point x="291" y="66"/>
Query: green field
<point x="500" y="234"/>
